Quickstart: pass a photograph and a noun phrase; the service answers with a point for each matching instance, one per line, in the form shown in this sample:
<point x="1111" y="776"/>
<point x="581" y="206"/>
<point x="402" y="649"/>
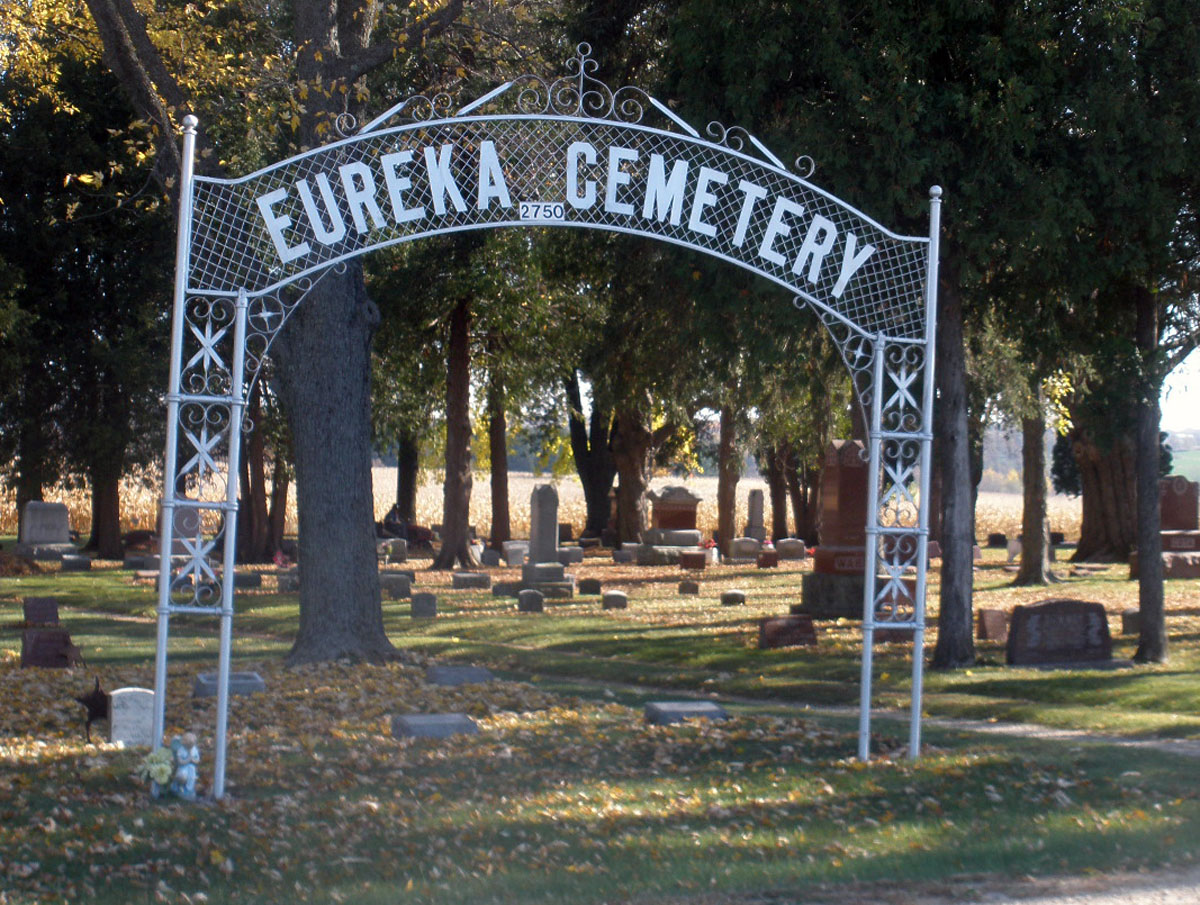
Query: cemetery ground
<point x="566" y="794"/>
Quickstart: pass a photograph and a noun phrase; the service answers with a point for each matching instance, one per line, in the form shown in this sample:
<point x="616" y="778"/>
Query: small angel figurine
<point x="186" y="755"/>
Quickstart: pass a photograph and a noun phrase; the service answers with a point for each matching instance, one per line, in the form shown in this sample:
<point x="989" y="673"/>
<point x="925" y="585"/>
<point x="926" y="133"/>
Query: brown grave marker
<point x="1179" y="501"/>
<point x="692" y="559"/>
<point x="991" y="625"/>
<point x="786" y="631"/>
<point x="41" y="611"/>
<point x="1058" y="631"/>
<point x="50" y="648"/>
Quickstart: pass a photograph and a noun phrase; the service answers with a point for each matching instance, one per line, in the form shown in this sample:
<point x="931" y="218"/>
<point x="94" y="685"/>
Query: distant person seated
<point x="394" y="525"/>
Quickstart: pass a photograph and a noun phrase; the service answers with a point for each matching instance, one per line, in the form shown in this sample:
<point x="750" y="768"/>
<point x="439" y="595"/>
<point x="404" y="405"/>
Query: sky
<point x="1181" y="396"/>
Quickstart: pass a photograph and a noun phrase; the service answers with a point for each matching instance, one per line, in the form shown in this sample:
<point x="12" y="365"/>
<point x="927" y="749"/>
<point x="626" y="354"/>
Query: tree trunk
<point x="955" y="642"/>
<point x="254" y="530"/>
<point x="1108" y="496"/>
<point x="106" y="513"/>
<point x="728" y="470"/>
<point x="633" y="451"/>
<point x="498" y="449"/>
<point x="777" y="486"/>
<point x="456" y="491"/>
<point x="1033" y="515"/>
<point x="593" y="457"/>
<point x="277" y="520"/>
<point x="324" y="357"/>
<point x="1152" y="642"/>
<point x="30" y="468"/>
<point x="408" y="468"/>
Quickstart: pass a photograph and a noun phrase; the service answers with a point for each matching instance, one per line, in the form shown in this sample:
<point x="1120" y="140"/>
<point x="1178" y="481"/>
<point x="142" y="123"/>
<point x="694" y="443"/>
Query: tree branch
<point x="351" y="67"/>
<point x="138" y="66"/>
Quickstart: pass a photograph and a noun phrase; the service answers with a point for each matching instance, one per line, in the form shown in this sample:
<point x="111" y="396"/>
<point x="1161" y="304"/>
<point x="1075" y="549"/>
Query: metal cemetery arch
<point x="573" y="153"/>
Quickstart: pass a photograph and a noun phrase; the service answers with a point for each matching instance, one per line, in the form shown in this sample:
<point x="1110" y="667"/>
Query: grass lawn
<point x="566" y="795"/>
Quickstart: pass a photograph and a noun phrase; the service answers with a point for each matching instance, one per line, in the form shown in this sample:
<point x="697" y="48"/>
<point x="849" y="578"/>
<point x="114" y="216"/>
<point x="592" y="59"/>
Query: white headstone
<point x="45" y="523"/>
<point x="131" y="717"/>
<point x="543" y="524"/>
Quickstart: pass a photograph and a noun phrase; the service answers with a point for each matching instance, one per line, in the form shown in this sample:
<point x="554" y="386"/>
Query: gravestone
<point x="664" y="713"/>
<point x="543" y="524"/>
<point x="48" y="648"/>
<point x="433" y="725"/>
<point x="397" y="550"/>
<point x="1181" y="565"/>
<point x="671" y="537"/>
<point x="41" y="611"/>
<point x="131" y="717"/>
<point x="424" y="605"/>
<point x="288" y="581"/>
<point x="693" y="559"/>
<point x="997" y="539"/>
<point x="689" y="586"/>
<point x="933" y="550"/>
<point x="74" y="562"/>
<point x="45" y="531"/>
<point x="240" y="683"/>
<point x="1178" y="541"/>
<point x="733" y="598"/>
<point x="615" y="600"/>
<point x="395" y="585"/>
<point x="490" y="558"/>
<point x="245" y="580"/>
<point x="843" y="510"/>
<point x="1131" y="622"/>
<point x="768" y="559"/>
<point x="465" y="580"/>
<point x="991" y="625"/>
<point x="744" y="549"/>
<point x="673" y="509"/>
<point x="507" y="588"/>
<point x="755" y="527"/>
<point x="568" y="556"/>
<point x="1179" y="503"/>
<point x="790" y="548"/>
<point x="453" y="676"/>
<point x="515" y="552"/>
<point x="531" y="601"/>
<point x="786" y="631"/>
<point x="589" y="586"/>
<point x="623" y="557"/>
<point x="1056" y="632"/>
<point x="566" y="532"/>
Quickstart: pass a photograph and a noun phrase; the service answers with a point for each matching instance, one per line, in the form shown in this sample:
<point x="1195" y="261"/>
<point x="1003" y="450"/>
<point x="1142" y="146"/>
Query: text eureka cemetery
<point x="389" y="193"/>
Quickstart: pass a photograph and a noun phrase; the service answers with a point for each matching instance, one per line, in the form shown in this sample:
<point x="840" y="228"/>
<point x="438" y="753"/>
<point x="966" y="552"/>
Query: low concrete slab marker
<point x="433" y="725"/>
<point x="665" y="713"/>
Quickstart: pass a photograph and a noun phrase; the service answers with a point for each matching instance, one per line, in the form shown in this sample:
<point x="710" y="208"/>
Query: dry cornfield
<point x="139" y="500"/>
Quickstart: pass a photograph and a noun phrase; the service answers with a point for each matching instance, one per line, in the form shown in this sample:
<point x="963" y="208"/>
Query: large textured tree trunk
<point x="324" y="357"/>
<point x="1107" y="481"/>
<point x="729" y="469"/>
<point x="593" y="456"/>
<point x="408" y="468"/>
<point x="1152" y="642"/>
<point x="106" y="513"/>
<point x="955" y="642"/>
<point x="1033" y="514"/>
<point x="498" y="450"/>
<point x="777" y="486"/>
<point x="633" y="452"/>
<point x="456" y="491"/>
